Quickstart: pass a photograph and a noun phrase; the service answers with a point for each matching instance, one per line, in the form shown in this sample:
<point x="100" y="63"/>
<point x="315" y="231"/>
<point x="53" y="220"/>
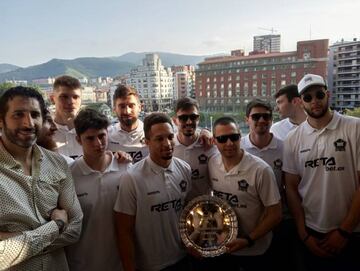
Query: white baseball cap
<point x="310" y="80"/>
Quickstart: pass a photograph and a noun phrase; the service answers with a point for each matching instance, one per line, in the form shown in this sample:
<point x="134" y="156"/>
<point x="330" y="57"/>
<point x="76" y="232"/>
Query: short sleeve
<point x="126" y="197"/>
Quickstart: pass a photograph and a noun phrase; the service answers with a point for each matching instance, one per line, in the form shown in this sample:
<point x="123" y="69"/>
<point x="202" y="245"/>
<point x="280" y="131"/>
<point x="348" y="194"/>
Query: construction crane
<point x="272" y="30"/>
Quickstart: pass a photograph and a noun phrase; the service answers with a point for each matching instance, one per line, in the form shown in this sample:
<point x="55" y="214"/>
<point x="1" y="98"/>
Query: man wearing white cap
<point x="322" y="174"/>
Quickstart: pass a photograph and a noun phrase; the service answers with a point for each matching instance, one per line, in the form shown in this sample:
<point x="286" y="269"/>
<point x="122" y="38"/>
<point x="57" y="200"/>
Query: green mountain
<point x="79" y="67"/>
<point x="7" y="67"/>
<point x="94" y="67"/>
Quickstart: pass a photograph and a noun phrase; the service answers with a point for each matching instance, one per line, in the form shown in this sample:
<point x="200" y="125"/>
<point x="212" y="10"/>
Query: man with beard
<point x="96" y="176"/>
<point x="188" y="147"/>
<point x="150" y="199"/>
<point x="322" y="174"/>
<point x="248" y="184"/>
<point x="128" y="134"/>
<point x="289" y="106"/>
<point x="40" y="213"/>
<point x="67" y="100"/>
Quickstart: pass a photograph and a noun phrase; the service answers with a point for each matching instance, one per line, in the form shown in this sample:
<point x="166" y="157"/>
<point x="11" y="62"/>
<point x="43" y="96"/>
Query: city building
<point x="184" y="81"/>
<point x="267" y="43"/>
<point x="88" y="95"/>
<point x="154" y="83"/>
<point x="344" y="74"/>
<point x="228" y="83"/>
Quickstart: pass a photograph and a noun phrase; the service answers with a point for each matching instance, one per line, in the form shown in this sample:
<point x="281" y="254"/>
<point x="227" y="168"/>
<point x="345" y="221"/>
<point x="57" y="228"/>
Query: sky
<point x="35" y="31"/>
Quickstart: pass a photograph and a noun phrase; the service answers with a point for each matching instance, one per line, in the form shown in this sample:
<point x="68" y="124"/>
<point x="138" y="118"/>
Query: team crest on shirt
<point x="340" y="145"/>
<point x="278" y="164"/>
<point x="202" y="159"/>
<point x="195" y="173"/>
<point x="183" y="186"/>
<point x="243" y="185"/>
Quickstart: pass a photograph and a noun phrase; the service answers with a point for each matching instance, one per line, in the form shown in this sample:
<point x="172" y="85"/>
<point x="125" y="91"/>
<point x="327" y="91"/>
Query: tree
<point x="5" y="86"/>
<point x="355" y="112"/>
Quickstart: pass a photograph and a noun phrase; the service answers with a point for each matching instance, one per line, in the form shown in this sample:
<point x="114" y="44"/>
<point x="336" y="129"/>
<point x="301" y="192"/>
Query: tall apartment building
<point x="184" y="81"/>
<point x="344" y="74"/>
<point x="267" y="43"/>
<point x="154" y="83"/>
<point x="228" y="83"/>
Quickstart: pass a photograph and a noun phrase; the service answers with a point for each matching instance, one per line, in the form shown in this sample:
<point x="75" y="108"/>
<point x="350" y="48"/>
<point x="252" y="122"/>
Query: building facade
<point x="228" y="83"/>
<point x="267" y="43"/>
<point x="344" y="74"/>
<point x="154" y="83"/>
<point x="184" y="81"/>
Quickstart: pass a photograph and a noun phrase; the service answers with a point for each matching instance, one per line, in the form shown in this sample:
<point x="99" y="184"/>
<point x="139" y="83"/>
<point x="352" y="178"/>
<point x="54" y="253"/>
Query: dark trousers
<point x="347" y="260"/>
<point x="282" y="251"/>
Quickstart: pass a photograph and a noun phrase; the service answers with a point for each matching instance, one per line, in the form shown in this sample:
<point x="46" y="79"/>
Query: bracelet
<point x="306" y="238"/>
<point x="344" y="233"/>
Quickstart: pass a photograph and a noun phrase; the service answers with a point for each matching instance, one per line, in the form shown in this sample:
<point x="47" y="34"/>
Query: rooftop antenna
<point x="272" y="30"/>
<point x="310" y="32"/>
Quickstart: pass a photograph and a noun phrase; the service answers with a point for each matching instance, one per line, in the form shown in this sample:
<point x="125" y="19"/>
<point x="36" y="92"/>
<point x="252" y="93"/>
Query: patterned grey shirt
<point x="26" y="205"/>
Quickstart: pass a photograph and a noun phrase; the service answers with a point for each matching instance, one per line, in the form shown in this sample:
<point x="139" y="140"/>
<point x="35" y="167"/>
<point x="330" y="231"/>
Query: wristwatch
<point x="61" y="224"/>
<point x="251" y="242"/>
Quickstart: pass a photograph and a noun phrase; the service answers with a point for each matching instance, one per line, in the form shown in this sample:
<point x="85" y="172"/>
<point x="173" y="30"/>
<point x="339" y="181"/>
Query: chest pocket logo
<point x="243" y="185"/>
<point x="183" y="186"/>
<point x="202" y="159"/>
<point x="340" y="145"/>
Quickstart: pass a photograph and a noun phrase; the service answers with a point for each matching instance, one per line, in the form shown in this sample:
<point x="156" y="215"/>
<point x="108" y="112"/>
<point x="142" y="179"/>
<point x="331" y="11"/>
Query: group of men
<point x="294" y="185"/>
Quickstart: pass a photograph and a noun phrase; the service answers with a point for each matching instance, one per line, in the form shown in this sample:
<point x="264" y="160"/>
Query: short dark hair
<point x="291" y="92"/>
<point x="21" y="91"/>
<point x="67" y="82"/>
<point x="123" y="91"/>
<point x="224" y="121"/>
<point x="155" y="118"/>
<point x="186" y="103"/>
<point x="258" y="103"/>
<point x="90" y="119"/>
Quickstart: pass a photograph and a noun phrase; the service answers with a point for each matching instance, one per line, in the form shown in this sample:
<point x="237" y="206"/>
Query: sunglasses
<point x="307" y="98"/>
<point x="192" y="117"/>
<point x="224" y="138"/>
<point x="257" y="116"/>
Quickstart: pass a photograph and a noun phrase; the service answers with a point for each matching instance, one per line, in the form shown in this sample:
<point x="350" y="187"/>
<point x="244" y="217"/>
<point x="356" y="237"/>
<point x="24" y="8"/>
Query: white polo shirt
<point x="328" y="162"/>
<point x="272" y="154"/>
<point x="282" y="128"/>
<point x="155" y="196"/>
<point x="131" y="142"/>
<point x="66" y="141"/>
<point x="197" y="158"/>
<point x="96" y="191"/>
<point x="249" y="187"/>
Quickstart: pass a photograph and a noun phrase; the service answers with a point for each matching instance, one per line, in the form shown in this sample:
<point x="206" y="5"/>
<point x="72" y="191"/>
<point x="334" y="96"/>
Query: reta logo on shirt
<point x="136" y="156"/>
<point x="166" y="206"/>
<point x="328" y="162"/>
<point x="323" y="161"/>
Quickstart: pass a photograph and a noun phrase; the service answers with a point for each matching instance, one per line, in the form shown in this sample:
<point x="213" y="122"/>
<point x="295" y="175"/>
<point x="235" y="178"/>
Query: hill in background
<point x="92" y="66"/>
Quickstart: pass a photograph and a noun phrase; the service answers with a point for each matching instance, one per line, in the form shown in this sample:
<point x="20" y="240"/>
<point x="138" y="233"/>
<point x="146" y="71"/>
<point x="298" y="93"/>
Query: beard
<point x="127" y="121"/>
<point x="188" y="129"/>
<point x="14" y="138"/>
<point x="317" y="115"/>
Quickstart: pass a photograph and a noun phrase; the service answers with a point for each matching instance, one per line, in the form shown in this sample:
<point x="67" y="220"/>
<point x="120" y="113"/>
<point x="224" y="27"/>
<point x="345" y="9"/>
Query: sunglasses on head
<point x="224" y="138"/>
<point x="257" y="116"/>
<point x="192" y="117"/>
<point x="307" y="98"/>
